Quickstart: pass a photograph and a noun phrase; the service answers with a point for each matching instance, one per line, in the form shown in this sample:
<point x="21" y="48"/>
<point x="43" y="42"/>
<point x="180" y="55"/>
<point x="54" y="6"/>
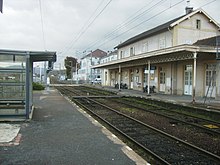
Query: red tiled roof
<point x="96" y="53"/>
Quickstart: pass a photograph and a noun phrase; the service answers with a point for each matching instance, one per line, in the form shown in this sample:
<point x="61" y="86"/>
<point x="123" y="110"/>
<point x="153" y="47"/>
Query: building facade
<point x="171" y="58"/>
<point x="111" y="56"/>
<point x="86" y="73"/>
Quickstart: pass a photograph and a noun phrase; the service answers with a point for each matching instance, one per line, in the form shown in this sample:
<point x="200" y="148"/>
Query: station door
<point x="162" y="81"/>
<point x="210" y="82"/>
<point x="188" y="80"/>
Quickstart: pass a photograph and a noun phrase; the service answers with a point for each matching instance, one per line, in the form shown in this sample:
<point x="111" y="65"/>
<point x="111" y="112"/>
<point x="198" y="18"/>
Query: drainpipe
<point x="194" y="77"/>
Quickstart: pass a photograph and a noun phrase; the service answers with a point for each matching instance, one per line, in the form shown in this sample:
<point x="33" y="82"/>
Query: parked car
<point x="97" y="81"/>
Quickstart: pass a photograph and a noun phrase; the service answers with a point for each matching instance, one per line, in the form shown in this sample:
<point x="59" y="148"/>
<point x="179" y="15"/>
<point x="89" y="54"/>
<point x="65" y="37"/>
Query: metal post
<point x="119" y="78"/>
<point x="27" y="86"/>
<point x="76" y="74"/>
<point x="194" y="77"/>
<point x="148" y="82"/>
<point x="31" y="85"/>
<point x="91" y="68"/>
<point x="217" y="42"/>
<point x="45" y="73"/>
<point x="40" y="73"/>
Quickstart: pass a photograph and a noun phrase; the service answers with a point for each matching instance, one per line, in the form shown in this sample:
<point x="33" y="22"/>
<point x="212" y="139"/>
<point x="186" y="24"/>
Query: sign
<point x="153" y="67"/>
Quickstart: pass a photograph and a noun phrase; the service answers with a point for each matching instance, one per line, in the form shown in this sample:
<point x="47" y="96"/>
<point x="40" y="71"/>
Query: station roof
<point x="212" y="41"/>
<point x="159" y="29"/>
<point x="35" y="56"/>
<point x="176" y="53"/>
<point x="165" y="27"/>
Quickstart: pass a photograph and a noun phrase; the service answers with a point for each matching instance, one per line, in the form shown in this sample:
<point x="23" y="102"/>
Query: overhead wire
<point x="207" y="3"/>
<point x="88" y="26"/>
<point x="108" y="36"/>
<point x="84" y="25"/>
<point x="171" y="6"/>
<point x="143" y="22"/>
<point x="130" y="19"/>
<point x="42" y="26"/>
<point x="151" y="18"/>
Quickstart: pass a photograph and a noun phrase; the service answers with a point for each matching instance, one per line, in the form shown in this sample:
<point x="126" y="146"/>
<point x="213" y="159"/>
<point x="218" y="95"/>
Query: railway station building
<point x="179" y="57"/>
<point x="16" y="77"/>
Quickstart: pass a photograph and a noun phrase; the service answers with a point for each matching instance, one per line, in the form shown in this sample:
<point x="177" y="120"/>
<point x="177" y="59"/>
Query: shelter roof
<point x="35" y="56"/>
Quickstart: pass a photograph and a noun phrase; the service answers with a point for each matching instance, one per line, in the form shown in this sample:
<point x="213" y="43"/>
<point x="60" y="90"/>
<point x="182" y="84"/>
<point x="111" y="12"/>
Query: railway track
<point x="83" y="91"/>
<point x="210" y="126"/>
<point x="165" y="148"/>
<point x="183" y="110"/>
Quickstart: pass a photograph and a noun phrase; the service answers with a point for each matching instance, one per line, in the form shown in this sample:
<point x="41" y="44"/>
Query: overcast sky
<point x="71" y="27"/>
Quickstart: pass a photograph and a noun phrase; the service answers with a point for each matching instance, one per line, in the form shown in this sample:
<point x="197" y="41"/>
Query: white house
<point x="171" y="58"/>
<point x="86" y="73"/>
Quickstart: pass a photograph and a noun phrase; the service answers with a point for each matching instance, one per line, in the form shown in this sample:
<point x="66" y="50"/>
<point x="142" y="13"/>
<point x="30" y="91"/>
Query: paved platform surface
<point x="62" y="134"/>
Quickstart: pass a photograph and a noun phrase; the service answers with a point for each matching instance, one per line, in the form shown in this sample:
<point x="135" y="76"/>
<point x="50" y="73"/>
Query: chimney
<point x="188" y="8"/>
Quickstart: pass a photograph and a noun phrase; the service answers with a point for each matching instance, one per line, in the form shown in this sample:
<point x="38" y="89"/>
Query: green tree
<point x="70" y="65"/>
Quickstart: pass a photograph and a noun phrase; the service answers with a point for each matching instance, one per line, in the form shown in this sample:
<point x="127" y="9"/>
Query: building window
<point x="131" y="51"/>
<point x="198" y="24"/>
<point x="145" y="47"/>
<point x="211" y="75"/>
<point x="161" y="43"/>
<point x="121" y="55"/>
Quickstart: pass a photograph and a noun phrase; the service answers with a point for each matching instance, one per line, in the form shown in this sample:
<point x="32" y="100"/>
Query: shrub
<point x="38" y="86"/>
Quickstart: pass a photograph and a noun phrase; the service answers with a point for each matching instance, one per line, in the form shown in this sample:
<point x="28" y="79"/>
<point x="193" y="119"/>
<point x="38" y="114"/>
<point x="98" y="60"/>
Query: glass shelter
<point x="16" y="77"/>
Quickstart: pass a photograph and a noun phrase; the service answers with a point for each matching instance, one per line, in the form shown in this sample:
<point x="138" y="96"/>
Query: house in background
<point x="171" y="58"/>
<point x="86" y="73"/>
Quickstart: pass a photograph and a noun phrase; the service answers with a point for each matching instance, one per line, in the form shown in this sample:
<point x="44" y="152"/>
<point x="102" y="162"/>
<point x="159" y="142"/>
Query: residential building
<point x="175" y="57"/>
<point x="86" y="73"/>
<point x="111" y="56"/>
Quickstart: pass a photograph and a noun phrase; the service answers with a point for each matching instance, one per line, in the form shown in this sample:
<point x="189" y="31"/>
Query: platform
<point x="61" y="133"/>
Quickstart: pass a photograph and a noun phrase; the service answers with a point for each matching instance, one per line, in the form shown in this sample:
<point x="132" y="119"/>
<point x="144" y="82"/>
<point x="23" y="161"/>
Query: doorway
<point x="210" y="83"/>
<point x="188" y="80"/>
<point x="162" y="81"/>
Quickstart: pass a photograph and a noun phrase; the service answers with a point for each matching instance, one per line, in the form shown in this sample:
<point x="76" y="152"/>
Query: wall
<point x="187" y="33"/>
<point x="162" y="40"/>
<point x="200" y="79"/>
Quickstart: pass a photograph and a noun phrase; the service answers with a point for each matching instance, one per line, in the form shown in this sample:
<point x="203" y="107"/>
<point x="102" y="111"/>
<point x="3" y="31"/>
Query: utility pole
<point x="217" y="42"/>
<point x="91" y="67"/>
